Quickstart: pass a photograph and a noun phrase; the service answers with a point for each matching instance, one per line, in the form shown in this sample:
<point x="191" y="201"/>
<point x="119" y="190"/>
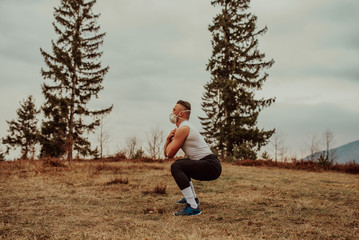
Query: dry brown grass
<point x="135" y="200"/>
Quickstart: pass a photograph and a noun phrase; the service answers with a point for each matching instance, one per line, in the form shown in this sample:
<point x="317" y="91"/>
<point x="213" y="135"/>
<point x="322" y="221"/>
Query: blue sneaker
<point x="188" y="211"/>
<point x="184" y="201"/>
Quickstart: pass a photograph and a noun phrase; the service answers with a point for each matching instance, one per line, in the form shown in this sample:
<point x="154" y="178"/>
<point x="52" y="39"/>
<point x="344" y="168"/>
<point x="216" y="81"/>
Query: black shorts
<point x="206" y="169"/>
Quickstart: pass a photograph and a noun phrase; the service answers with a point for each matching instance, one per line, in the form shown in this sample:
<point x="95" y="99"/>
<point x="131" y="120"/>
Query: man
<point x="201" y="163"/>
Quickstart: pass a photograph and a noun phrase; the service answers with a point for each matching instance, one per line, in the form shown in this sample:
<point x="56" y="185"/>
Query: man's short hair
<point x="185" y="104"/>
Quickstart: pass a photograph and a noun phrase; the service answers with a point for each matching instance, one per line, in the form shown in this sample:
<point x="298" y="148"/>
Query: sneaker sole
<point x="185" y="202"/>
<point x="188" y="215"/>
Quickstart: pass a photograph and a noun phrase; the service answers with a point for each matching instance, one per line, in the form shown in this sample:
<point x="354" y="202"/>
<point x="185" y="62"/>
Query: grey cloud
<point x="348" y="73"/>
<point x="315" y="39"/>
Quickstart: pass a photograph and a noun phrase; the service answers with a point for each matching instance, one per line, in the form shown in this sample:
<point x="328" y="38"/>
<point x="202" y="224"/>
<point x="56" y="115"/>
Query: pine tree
<point x="23" y="132"/>
<point x="76" y="75"/>
<point x="2" y="155"/>
<point x="236" y="68"/>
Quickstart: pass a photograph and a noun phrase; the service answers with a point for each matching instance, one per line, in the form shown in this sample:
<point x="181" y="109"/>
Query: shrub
<point x="352" y="168"/>
<point x="160" y="189"/>
<point x="265" y="155"/>
<point x="324" y="161"/>
<point x="53" y="162"/>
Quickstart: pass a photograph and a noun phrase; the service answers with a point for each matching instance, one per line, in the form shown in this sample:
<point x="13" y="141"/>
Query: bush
<point x="139" y="154"/>
<point x="2" y="157"/>
<point x="160" y="189"/>
<point x="121" y="155"/>
<point x="53" y="162"/>
<point x="352" y="168"/>
<point x="324" y="161"/>
<point x="265" y="155"/>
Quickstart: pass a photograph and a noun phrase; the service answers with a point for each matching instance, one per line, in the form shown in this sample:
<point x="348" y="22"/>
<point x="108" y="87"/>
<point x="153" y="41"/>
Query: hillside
<point x="347" y="152"/>
<point x="343" y="154"/>
<point x="135" y="200"/>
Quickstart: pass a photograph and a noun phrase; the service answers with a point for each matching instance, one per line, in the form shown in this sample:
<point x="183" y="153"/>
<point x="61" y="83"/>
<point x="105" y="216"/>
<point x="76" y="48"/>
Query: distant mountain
<point x="343" y="154"/>
<point x="347" y="152"/>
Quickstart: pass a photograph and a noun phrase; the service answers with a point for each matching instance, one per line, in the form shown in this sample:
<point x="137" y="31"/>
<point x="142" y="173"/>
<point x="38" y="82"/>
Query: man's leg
<point x="183" y="182"/>
<point x="188" y="195"/>
<point x="192" y="187"/>
<point x="184" y="169"/>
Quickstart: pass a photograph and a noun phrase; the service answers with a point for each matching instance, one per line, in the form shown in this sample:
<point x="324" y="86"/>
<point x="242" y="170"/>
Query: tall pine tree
<point x="236" y="68"/>
<point x="76" y="75"/>
<point x="23" y="132"/>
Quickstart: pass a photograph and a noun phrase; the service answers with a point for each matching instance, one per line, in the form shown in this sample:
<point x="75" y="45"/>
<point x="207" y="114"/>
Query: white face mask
<point x="173" y="117"/>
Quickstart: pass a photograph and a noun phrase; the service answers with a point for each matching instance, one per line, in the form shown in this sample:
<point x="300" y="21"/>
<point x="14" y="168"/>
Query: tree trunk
<point x="73" y="92"/>
<point x="71" y="121"/>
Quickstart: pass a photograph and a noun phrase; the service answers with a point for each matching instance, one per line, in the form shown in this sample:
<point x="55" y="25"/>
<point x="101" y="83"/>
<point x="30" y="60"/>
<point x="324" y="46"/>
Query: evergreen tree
<point x="76" y="75"/>
<point x="236" y="68"/>
<point x="23" y="132"/>
<point x="2" y="156"/>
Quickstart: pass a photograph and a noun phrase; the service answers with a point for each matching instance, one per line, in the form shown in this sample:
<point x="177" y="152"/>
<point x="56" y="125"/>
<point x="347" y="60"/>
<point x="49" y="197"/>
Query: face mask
<point x="173" y="117"/>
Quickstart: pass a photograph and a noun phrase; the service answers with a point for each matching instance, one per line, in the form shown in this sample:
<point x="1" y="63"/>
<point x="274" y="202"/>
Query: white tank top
<point x="195" y="147"/>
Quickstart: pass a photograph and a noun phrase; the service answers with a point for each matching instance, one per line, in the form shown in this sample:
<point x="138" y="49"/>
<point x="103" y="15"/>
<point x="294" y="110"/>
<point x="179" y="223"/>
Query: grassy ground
<point x="129" y="200"/>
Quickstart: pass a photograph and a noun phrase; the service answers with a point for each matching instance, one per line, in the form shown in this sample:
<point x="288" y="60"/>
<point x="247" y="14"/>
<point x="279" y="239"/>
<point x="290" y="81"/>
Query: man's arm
<point x="168" y="140"/>
<point x="172" y="147"/>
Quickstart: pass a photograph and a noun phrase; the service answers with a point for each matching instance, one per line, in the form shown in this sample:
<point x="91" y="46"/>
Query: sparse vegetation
<point x="118" y="181"/>
<point x="160" y="189"/>
<point x="324" y="161"/>
<point x="317" y="166"/>
<point x="155" y="141"/>
<point x="265" y="155"/>
<point x="127" y="199"/>
<point x="133" y="148"/>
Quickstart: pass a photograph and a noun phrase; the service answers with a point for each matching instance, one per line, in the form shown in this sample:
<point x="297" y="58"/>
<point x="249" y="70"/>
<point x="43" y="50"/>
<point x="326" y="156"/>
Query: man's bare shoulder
<point x="183" y="131"/>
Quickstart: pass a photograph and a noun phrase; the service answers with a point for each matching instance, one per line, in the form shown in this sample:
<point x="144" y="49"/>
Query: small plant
<point x="118" y="181"/>
<point x="324" y="161"/>
<point x="133" y="148"/>
<point x="160" y="189"/>
<point x="121" y="155"/>
<point x="139" y="154"/>
<point x="265" y="156"/>
<point x="161" y="211"/>
<point x="152" y="211"/>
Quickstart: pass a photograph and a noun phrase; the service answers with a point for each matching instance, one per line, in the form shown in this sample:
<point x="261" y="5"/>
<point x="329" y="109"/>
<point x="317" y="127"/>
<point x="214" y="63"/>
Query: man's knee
<point x="174" y="167"/>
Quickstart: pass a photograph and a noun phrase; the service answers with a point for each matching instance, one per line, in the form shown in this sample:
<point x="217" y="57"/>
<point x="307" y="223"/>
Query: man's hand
<point x="175" y="141"/>
<point x="171" y="135"/>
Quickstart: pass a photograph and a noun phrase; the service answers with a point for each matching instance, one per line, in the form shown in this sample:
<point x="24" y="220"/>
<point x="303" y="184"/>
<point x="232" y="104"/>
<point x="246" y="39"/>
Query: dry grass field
<point x="135" y="200"/>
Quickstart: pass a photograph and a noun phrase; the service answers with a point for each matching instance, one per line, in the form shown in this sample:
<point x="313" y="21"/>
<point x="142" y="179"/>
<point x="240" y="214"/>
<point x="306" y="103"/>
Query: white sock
<point x="194" y="193"/>
<point x="188" y="194"/>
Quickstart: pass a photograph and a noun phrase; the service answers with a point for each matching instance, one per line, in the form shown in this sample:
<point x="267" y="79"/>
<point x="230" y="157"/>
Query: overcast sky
<point x="157" y="51"/>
